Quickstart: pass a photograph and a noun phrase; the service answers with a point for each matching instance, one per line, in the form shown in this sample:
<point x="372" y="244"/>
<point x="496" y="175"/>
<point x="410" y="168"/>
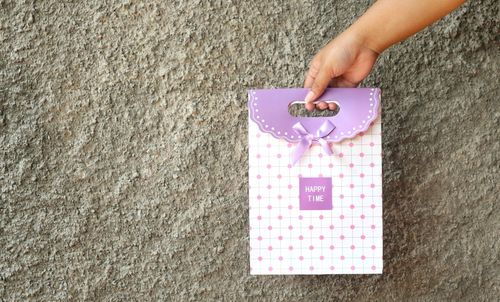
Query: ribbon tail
<point x="326" y="146"/>
<point x="300" y="149"/>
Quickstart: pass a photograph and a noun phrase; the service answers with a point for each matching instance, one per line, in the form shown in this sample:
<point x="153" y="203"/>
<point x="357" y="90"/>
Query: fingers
<point x="321" y="75"/>
<point x="309" y="106"/>
<point x="311" y="74"/>
<point x="321" y="105"/>
<point x="319" y="85"/>
<point x="335" y="82"/>
<point x="325" y="105"/>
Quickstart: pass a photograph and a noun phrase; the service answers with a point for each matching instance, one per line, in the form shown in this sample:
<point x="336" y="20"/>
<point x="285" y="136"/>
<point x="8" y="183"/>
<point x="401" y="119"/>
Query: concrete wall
<point x="124" y="150"/>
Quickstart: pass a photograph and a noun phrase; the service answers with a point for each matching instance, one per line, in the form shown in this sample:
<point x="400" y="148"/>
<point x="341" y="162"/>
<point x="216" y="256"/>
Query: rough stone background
<point x="123" y="172"/>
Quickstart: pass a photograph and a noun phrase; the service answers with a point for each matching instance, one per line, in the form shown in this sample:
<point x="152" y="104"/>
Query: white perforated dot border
<point x="360" y="126"/>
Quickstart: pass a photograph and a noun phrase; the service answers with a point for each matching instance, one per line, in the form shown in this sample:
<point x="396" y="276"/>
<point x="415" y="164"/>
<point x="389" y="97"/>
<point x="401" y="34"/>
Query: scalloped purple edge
<point x="368" y="124"/>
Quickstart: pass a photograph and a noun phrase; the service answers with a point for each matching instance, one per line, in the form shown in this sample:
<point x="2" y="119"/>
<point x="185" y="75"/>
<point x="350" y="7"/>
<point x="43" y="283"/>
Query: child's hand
<point x="344" y="62"/>
<point x="348" y="59"/>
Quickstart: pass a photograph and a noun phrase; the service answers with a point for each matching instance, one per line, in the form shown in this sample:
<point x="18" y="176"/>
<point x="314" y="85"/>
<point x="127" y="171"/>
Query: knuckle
<point x="313" y="70"/>
<point x="317" y="87"/>
<point x="315" y="63"/>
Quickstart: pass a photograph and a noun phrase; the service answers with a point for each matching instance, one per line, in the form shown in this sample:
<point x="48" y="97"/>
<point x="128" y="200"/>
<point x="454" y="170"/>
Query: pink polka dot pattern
<point x="344" y="240"/>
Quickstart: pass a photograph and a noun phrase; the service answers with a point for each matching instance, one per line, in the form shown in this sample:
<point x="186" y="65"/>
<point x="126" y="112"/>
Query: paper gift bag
<point x="315" y="184"/>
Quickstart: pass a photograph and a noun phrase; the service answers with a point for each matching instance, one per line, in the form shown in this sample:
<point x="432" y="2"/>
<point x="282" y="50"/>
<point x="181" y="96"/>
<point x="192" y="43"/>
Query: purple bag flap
<point x="359" y="107"/>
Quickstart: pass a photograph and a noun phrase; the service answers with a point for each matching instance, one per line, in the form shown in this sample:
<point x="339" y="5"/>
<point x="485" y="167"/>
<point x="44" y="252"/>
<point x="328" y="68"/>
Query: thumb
<point x="319" y="85"/>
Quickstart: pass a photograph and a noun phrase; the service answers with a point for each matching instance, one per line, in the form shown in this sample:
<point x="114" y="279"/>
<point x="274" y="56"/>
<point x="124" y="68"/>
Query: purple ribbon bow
<point x="307" y="139"/>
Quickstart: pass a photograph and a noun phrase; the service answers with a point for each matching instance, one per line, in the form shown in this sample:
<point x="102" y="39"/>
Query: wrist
<point x="364" y="38"/>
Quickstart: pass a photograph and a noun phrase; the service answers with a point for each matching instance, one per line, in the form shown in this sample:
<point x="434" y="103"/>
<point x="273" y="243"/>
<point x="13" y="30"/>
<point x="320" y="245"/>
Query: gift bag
<point x="315" y="184"/>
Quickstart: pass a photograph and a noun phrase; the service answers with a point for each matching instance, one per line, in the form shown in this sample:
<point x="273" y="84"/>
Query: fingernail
<point x="309" y="97"/>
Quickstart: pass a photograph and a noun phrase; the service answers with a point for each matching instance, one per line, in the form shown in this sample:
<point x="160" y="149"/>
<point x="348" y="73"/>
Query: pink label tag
<point x="315" y="193"/>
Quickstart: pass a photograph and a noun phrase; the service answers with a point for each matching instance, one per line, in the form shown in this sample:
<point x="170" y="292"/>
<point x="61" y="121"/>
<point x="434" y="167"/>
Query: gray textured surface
<point x="124" y="155"/>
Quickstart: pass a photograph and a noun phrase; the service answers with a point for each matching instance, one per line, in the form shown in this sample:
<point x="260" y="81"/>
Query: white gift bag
<point x="315" y="184"/>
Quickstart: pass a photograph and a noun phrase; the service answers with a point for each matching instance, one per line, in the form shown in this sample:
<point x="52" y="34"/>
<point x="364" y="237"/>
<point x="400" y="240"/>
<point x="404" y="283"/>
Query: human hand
<point x="347" y="59"/>
<point x="344" y="62"/>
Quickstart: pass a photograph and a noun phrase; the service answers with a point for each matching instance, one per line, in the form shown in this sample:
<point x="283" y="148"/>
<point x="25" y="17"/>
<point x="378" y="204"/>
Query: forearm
<point x="389" y="21"/>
